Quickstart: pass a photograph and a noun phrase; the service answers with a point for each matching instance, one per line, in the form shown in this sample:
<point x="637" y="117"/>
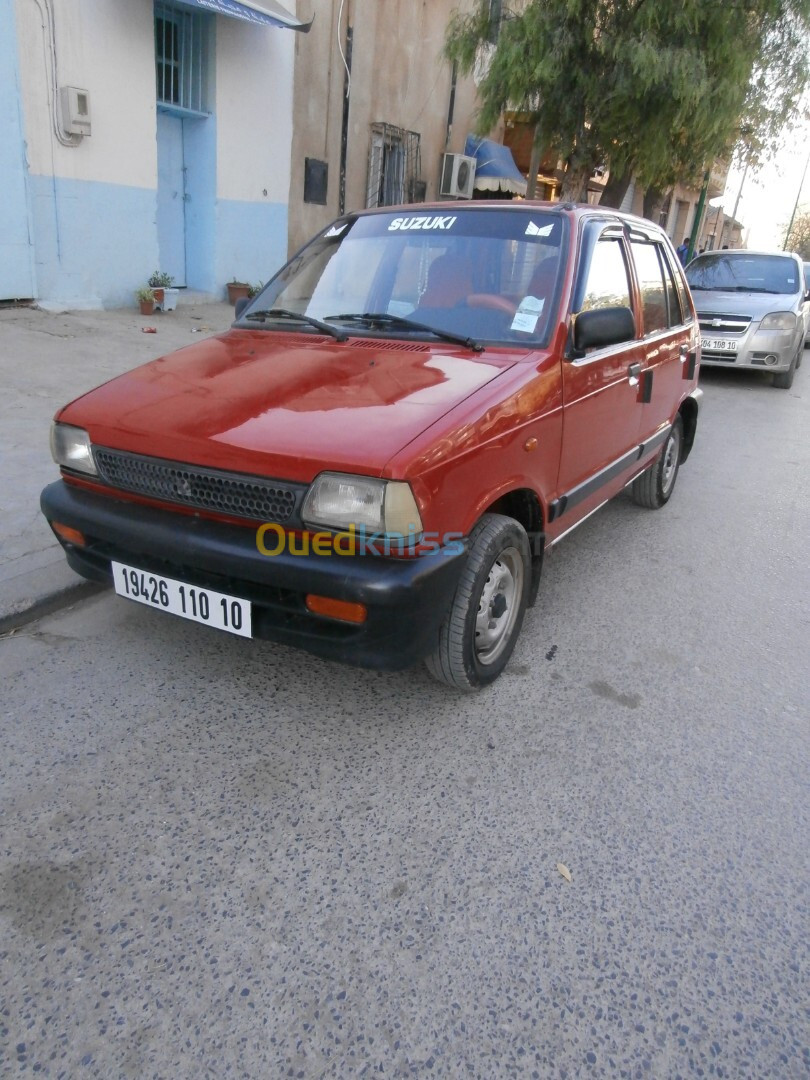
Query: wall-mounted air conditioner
<point x="458" y="176"/>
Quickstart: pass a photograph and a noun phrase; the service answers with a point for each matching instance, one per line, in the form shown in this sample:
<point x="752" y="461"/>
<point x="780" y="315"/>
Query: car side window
<point x="608" y="283"/>
<point x="651" y="286"/>
<point x="677" y="273"/>
<point x="674" y="307"/>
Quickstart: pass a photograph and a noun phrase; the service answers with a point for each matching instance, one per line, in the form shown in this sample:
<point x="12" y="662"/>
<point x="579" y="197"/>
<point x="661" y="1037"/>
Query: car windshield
<point x="744" y="273"/>
<point x="471" y="275"/>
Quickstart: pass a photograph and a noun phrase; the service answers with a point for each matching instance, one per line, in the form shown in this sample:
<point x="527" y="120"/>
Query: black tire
<point x="495" y="583"/>
<point x="784" y="380"/>
<point x="653" y="489"/>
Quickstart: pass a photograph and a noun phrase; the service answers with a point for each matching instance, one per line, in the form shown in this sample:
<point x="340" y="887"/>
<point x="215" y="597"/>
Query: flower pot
<point x="147" y="307"/>
<point x="236" y="290"/>
<point x="158" y="297"/>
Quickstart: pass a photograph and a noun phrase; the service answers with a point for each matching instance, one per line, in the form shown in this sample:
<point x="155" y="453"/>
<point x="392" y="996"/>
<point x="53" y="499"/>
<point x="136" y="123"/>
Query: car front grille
<point x="723" y="325"/>
<point x="233" y="494"/>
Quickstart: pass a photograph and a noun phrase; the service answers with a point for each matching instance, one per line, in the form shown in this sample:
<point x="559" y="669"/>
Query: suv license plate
<point x="205" y="606"/>
<point x="718" y="344"/>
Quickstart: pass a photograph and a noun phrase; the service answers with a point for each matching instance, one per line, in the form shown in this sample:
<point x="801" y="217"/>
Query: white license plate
<point x="718" y="344"/>
<point x="205" y="606"/>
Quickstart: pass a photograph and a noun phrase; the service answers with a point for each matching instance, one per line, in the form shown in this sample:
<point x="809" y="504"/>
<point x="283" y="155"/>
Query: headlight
<point x="778" y="320"/>
<point x="383" y="506"/>
<point x="70" y="447"/>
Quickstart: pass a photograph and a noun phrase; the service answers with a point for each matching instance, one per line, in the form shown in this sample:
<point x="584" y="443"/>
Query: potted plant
<point x="146" y="298"/>
<point x="165" y="296"/>
<point x="236" y="290"/>
<point x="254" y="290"/>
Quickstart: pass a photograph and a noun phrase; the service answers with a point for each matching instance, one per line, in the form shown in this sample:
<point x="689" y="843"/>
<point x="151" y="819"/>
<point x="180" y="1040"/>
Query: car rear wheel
<point x="655" y="485"/>
<point x="485" y="617"/>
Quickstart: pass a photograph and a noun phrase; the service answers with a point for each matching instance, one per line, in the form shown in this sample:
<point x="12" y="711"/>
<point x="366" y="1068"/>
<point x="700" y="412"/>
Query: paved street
<point x="222" y="857"/>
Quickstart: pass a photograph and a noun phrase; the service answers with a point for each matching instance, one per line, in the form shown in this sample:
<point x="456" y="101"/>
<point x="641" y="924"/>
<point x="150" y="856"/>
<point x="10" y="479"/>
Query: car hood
<point x="284" y="405"/>
<point x="753" y="304"/>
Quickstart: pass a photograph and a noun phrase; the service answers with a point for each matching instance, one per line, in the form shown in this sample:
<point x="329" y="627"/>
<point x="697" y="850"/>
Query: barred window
<point x="180" y="57"/>
<point x="394" y="167"/>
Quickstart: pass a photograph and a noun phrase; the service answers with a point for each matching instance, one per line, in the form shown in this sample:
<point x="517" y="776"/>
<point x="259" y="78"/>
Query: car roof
<point x="737" y="252"/>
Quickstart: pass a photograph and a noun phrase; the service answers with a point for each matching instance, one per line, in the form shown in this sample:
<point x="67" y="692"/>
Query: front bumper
<point x="756" y="350"/>
<point x="406" y="598"/>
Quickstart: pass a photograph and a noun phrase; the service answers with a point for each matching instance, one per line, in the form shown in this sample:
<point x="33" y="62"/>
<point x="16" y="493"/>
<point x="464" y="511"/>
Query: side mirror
<point x="601" y="327"/>
<point x="240" y="306"/>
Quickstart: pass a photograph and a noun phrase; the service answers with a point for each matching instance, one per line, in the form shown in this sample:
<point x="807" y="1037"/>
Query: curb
<point x="49" y="605"/>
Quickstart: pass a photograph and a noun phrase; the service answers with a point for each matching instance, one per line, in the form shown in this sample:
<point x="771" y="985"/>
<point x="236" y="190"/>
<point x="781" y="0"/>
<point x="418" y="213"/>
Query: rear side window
<point x="608" y="284"/>
<point x="674" y="305"/>
<point x="651" y="286"/>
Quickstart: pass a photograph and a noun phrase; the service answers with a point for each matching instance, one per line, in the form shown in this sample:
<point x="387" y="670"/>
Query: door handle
<point x="633" y="373"/>
<point x="683" y="352"/>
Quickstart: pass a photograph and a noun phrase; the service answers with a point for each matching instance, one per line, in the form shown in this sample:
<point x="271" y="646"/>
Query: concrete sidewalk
<point x="47" y="360"/>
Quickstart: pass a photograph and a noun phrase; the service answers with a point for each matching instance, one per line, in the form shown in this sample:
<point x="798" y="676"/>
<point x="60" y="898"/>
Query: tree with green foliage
<point x="654" y="88"/>
<point x="798" y="239"/>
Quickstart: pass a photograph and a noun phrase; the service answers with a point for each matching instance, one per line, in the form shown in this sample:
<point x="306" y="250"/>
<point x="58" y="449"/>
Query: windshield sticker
<point x="421" y="223"/>
<point x="538" y="230"/>
<point x="336" y="230"/>
<point x="527" y="314"/>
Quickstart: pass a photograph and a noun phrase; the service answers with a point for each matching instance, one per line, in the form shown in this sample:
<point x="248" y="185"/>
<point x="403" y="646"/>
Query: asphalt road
<point x="225" y="858"/>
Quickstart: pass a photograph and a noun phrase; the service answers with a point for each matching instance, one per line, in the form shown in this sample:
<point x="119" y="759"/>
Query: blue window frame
<point x="180" y="58"/>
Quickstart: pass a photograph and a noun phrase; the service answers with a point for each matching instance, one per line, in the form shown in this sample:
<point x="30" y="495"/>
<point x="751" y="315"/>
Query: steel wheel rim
<point x="499" y="606"/>
<point x="672" y="452"/>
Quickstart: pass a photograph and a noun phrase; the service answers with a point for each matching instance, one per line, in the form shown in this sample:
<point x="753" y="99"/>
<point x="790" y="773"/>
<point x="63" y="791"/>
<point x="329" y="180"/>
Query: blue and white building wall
<point x="196" y="186"/>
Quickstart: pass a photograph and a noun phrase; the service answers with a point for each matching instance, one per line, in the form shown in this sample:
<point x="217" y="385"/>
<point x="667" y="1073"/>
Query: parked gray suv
<point x="753" y="308"/>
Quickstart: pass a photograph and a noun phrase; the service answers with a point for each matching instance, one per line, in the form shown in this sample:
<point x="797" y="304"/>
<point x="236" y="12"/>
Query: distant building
<point x="376" y="107"/>
<point x="677" y="215"/>
<point x="142" y="135"/>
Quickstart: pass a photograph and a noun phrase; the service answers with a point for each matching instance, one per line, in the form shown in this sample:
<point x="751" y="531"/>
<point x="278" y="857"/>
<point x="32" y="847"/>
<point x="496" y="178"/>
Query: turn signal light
<point x="336" y="609"/>
<point x="72" y="536"/>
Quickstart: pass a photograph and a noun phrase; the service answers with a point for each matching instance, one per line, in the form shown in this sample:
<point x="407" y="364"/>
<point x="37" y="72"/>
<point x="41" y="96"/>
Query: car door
<point x="668" y="356"/>
<point x="601" y="390"/>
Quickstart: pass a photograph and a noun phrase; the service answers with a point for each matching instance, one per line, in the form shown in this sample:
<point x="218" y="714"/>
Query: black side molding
<point x="582" y="491"/>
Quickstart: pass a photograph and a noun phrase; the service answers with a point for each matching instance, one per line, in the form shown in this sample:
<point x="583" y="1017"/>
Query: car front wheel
<point x="485" y="617"/>
<point x="784" y="380"/>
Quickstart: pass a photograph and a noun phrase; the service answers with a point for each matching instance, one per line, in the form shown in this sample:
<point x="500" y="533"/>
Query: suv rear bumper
<point x="406" y="598"/>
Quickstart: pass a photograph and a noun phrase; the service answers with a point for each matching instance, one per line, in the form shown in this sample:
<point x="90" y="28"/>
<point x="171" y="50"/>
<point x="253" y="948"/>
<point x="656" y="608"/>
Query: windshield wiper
<point x="741" y="288"/>
<point x="283" y="313"/>
<point x="369" y="318"/>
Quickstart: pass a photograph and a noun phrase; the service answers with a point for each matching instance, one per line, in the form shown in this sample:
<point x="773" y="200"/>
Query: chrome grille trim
<point x="723" y="324"/>
<point x="233" y="494"/>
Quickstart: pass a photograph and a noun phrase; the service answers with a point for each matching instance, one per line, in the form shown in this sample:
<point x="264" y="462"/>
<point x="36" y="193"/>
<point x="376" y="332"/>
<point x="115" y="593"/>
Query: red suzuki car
<point x="372" y="461"/>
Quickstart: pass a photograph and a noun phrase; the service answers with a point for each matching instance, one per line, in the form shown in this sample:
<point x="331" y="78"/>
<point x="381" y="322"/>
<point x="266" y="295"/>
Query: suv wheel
<point x="656" y="484"/>
<point x="485" y="617"/>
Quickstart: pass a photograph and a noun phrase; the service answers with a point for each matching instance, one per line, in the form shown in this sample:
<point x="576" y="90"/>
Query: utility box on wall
<point x="75" y="105"/>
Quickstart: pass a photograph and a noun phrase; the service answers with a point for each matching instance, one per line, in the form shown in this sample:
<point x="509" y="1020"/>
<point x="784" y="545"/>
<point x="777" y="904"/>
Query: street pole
<point x="737" y="200"/>
<point x="534" y="167"/>
<point x="698" y="216"/>
<point x="796" y="204"/>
